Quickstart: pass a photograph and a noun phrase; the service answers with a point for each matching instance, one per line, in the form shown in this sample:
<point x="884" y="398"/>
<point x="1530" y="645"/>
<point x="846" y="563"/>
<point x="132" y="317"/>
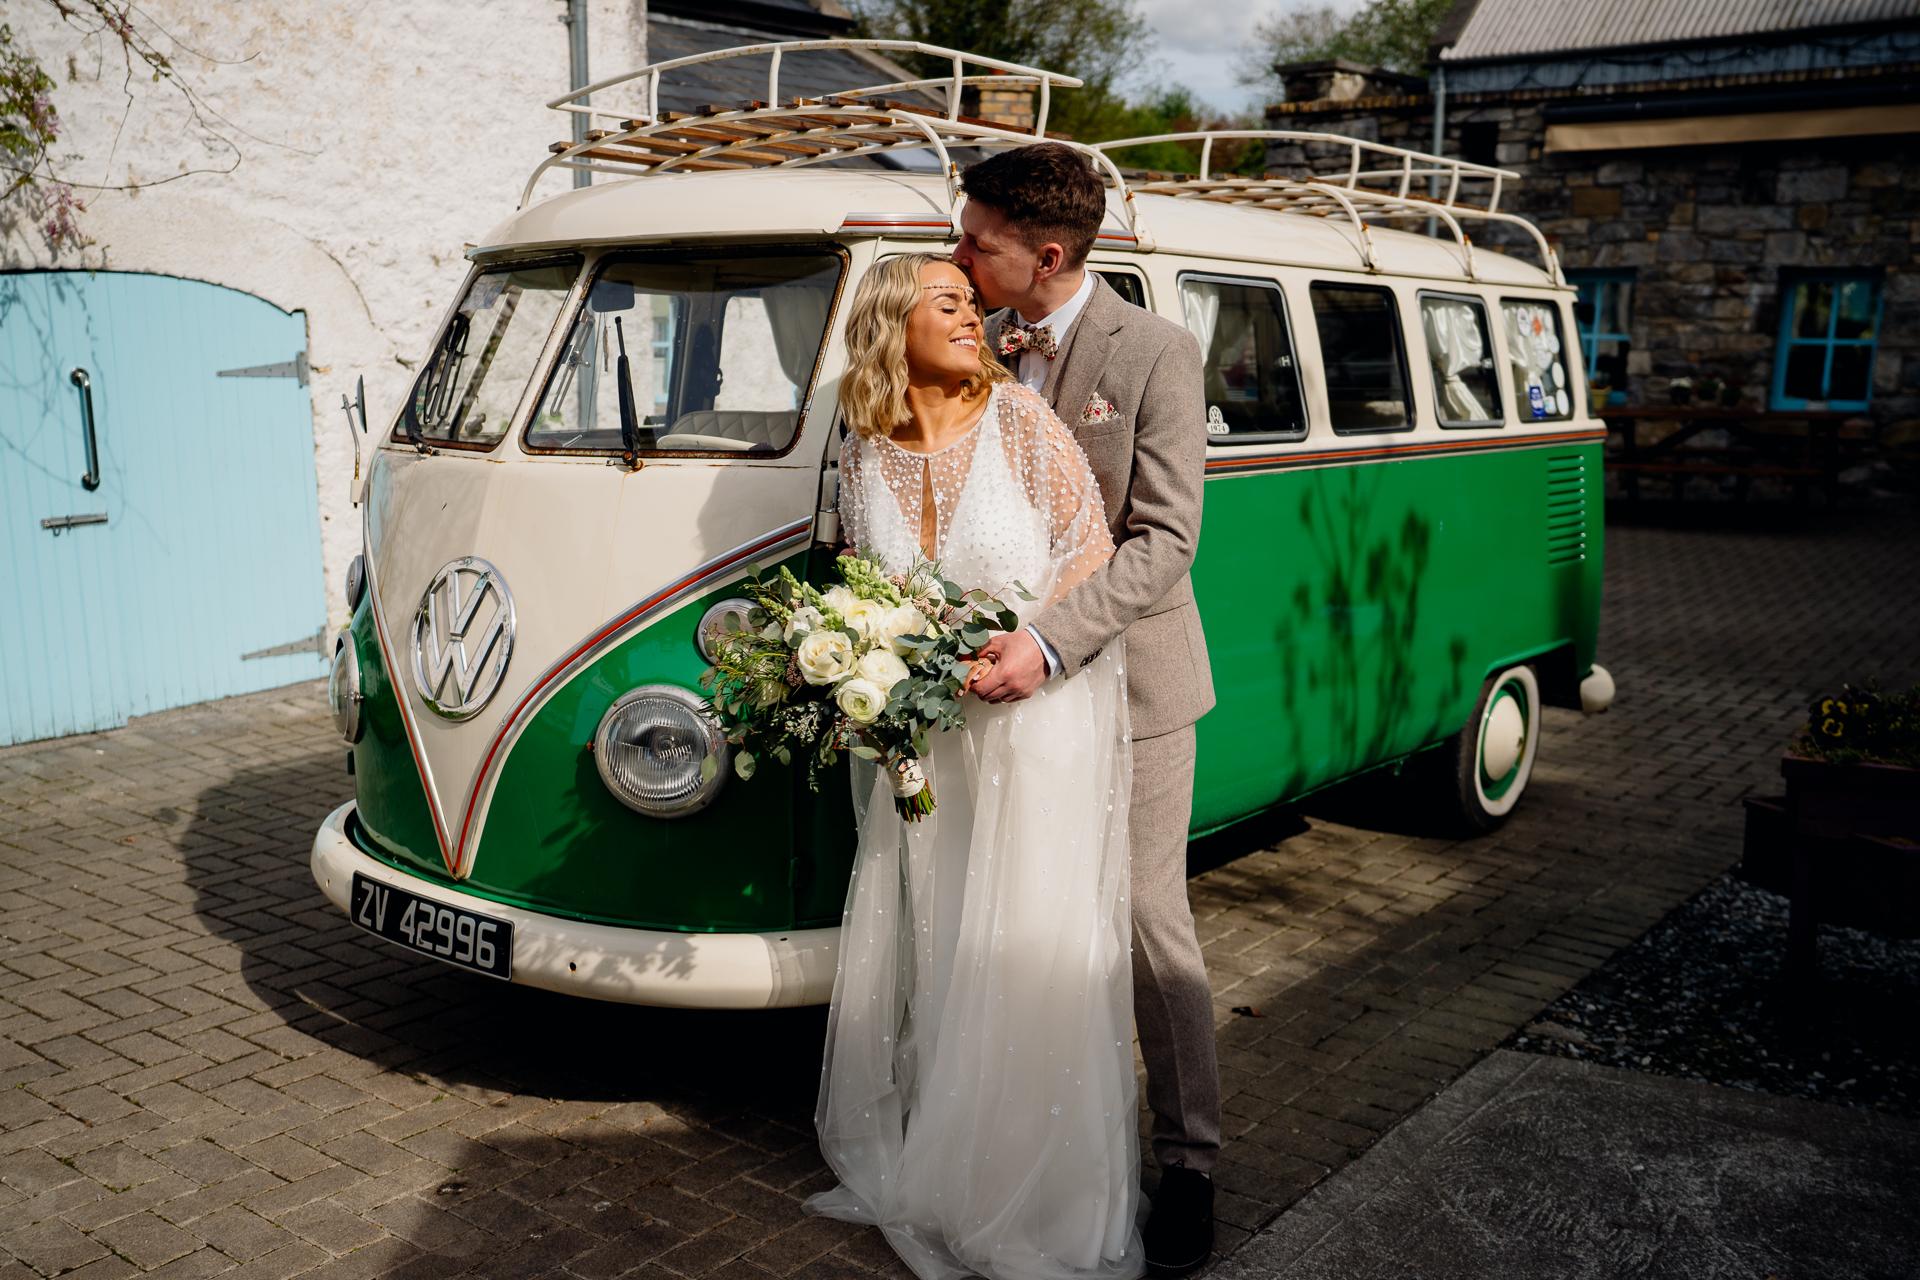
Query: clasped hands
<point x="1019" y="668"/>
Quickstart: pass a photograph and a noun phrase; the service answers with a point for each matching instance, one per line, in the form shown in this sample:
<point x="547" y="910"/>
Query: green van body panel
<point x="1352" y="613"/>
<point x="556" y="841"/>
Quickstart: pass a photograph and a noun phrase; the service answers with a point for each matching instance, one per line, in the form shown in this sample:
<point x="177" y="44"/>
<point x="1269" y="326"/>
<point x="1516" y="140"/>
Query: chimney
<point x="1011" y="106"/>
<point x="1339" y="80"/>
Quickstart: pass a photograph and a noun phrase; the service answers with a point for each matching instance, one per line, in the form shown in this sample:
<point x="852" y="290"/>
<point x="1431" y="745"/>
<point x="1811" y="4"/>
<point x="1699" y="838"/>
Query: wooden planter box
<point x="1858" y="828"/>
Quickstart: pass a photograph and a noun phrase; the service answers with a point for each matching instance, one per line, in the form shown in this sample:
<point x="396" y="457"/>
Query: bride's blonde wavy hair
<point x="873" y="392"/>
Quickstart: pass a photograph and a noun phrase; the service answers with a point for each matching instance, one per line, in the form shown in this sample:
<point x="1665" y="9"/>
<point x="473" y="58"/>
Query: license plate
<point x="483" y="944"/>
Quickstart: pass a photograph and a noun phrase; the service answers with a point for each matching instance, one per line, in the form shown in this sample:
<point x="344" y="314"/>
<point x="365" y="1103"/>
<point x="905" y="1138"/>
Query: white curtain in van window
<point x="1454" y="345"/>
<point x="1201" y="302"/>
<point x="798" y="313"/>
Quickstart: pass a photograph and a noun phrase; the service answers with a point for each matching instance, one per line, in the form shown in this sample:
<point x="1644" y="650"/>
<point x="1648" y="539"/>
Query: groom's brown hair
<point x="1048" y="194"/>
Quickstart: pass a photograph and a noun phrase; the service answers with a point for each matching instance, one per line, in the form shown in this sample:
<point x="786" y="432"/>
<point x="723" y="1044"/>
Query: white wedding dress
<point x="978" y="1098"/>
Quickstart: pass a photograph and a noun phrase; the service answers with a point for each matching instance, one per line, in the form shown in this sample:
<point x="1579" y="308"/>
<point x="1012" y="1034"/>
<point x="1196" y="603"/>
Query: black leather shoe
<point x="1179" y="1234"/>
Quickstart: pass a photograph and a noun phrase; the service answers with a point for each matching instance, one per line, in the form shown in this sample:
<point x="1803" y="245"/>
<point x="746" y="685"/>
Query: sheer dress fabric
<point x="977" y="1100"/>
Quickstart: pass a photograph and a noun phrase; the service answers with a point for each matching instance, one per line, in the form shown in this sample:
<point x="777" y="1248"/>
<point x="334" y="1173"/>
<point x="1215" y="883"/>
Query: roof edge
<point x="1790" y="36"/>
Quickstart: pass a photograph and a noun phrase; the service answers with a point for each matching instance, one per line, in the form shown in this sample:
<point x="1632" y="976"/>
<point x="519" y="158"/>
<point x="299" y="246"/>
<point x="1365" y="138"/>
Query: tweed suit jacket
<point x="1150" y="459"/>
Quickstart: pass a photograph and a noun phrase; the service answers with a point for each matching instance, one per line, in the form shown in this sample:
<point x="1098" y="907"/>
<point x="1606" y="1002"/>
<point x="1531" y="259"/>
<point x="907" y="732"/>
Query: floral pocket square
<point x="1098" y="410"/>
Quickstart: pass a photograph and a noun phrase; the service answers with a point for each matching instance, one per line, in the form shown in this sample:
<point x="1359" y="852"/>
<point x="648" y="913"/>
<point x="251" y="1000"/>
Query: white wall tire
<point x="1493" y="754"/>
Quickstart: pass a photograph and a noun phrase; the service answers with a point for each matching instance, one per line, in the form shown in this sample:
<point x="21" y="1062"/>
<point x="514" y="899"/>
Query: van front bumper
<point x="603" y="962"/>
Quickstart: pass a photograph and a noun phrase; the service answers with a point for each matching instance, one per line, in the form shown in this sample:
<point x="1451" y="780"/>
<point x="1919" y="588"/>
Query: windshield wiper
<point x="629" y="418"/>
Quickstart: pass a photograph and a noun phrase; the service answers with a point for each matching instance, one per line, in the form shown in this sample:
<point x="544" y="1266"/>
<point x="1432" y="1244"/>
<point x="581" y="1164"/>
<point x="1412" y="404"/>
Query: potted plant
<point x="1844" y="842"/>
<point x="1681" y="389"/>
<point x="1708" y="389"/>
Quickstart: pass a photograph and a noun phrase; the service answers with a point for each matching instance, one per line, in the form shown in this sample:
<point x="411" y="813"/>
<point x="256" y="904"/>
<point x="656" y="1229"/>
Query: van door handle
<point x="91" y="480"/>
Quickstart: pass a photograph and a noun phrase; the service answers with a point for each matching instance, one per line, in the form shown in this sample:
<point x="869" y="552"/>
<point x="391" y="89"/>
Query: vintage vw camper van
<point x="631" y="403"/>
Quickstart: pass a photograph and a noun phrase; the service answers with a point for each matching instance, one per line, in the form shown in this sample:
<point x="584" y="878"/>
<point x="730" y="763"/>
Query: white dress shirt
<point x="1032" y="372"/>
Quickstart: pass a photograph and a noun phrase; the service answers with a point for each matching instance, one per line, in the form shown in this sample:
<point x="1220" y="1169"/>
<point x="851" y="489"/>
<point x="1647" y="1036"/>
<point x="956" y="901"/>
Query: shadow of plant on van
<point x="1357" y="670"/>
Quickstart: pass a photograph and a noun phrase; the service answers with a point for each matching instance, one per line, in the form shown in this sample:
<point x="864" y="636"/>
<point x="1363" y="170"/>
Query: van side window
<point x="1466" y="387"/>
<point x="1543" y="389"/>
<point x="1251" y="379"/>
<point x="720" y="352"/>
<point x="1127" y="285"/>
<point x="466" y="394"/>
<point x="1364" y="357"/>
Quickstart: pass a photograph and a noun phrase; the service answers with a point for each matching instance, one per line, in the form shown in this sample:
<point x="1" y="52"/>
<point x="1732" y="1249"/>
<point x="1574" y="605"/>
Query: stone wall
<point x="338" y="162"/>
<point x="1710" y="232"/>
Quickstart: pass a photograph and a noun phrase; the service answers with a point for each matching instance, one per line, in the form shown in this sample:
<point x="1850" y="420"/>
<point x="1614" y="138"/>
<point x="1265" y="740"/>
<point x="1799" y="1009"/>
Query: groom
<point x="1128" y="383"/>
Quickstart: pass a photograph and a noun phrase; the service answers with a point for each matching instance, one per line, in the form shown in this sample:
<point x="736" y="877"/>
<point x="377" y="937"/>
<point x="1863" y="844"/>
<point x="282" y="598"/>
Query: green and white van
<point x="632" y="403"/>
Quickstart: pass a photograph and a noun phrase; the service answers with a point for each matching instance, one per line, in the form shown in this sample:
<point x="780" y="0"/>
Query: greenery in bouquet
<point x="871" y="665"/>
<point x="1863" y="725"/>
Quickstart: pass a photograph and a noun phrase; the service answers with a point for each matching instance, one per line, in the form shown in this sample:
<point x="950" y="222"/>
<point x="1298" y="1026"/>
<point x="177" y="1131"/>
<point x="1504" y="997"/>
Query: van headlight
<point x="343" y="690"/>
<point x="651" y="746"/>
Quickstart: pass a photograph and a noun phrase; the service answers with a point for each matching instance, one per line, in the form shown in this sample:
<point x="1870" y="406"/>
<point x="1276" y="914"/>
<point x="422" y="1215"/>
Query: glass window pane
<point x="1806" y="371"/>
<point x="1616" y="308"/>
<point x="1812" y="308"/>
<point x="471" y="385"/>
<point x="1251" y="381"/>
<point x="1852" y="372"/>
<point x="1586" y="308"/>
<point x="1127" y="285"/>
<point x="1360" y="348"/>
<point x="1462" y="357"/>
<point x="1537" y="359"/>
<point x="720" y="349"/>
<point x="1854" y="321"/>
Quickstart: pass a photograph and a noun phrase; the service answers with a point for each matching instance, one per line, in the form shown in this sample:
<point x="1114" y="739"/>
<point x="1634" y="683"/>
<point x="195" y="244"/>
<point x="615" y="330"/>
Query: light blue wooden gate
<point x="209" y="549"/>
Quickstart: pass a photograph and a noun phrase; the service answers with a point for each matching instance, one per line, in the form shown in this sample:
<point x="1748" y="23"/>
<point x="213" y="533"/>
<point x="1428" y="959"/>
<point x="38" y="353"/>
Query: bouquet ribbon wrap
<point x="912" y="797"/>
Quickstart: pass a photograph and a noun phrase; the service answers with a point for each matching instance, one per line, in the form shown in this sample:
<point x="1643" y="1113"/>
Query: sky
<point x="1201" y="42"/>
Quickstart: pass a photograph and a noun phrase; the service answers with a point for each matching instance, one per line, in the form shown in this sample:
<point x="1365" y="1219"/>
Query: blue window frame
<point x="1604" y="315"/>
<point x="1829" y="323"/>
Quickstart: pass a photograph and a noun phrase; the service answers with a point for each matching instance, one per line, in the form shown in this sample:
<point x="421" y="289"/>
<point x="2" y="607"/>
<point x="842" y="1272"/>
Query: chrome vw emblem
<point x="462" y="637"/>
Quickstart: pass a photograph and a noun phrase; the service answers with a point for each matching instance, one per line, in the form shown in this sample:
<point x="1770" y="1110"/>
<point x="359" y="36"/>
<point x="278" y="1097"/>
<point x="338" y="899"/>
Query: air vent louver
<point x="1566" y="509"/>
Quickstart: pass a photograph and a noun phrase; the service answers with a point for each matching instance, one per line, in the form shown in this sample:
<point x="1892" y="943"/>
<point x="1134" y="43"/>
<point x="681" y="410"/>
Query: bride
<point x="977" y="1100"/>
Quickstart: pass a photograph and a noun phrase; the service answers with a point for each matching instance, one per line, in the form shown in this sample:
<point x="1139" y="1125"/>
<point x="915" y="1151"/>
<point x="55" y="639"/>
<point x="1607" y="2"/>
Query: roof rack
<point x="794" y="132"/>
<point x="1381" y="193"/>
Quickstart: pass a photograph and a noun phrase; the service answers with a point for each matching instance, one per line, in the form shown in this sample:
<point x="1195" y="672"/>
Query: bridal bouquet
<point x="869" y="666"/>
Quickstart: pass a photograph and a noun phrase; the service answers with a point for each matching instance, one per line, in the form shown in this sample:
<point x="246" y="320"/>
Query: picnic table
<point x="1803" y="448"/>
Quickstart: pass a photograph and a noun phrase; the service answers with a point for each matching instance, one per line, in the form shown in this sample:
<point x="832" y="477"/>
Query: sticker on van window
<point x="1217" y="422"/>
<point x="1538" y="399"/>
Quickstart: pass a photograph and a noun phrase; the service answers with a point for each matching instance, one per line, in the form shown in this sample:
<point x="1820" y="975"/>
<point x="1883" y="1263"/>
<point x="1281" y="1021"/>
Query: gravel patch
<point x="1704" y="996"/>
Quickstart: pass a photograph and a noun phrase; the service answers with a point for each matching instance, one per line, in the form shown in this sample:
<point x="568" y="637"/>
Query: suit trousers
<point x="1172" y="1004"/>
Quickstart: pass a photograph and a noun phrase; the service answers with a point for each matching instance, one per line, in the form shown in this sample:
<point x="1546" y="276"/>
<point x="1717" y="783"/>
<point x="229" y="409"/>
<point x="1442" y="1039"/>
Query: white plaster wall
<point x="373" y="142"/>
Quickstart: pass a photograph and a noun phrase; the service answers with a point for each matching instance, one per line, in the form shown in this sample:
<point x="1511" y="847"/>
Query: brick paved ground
<point x="211" y="1071"/>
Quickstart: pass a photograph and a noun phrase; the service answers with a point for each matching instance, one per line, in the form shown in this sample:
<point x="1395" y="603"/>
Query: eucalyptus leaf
<point x="866" y="753"/>
<point x="743" y="764"/>
<point x="708" y="767"/>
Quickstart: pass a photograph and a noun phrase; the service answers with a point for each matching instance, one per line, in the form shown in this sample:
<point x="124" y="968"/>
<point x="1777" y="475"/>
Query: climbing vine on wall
<point x="29" y="124"/>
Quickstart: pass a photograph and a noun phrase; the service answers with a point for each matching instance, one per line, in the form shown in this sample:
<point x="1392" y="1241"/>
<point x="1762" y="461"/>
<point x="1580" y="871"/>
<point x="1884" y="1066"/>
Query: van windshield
<point x="470" y="387"/>
<point x="720" y="351"/>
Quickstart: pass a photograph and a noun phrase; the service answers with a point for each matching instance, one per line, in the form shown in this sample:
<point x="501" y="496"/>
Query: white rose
<point x="867" y="617"/>
<point x="862" y="700"/>
<point x="881" y="667"/>
<point x="904" y="620"/>
<point x="838" y="599"/>
<point x="805" y="619"/>
<point x="824" y="656"/>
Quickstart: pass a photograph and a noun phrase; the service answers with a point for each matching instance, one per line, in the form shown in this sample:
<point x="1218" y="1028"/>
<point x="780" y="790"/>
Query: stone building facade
<point x="1704" y="192"/>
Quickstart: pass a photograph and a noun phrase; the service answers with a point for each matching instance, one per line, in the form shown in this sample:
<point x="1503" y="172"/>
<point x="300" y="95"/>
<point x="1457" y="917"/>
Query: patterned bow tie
<point x="1015" y="338"/>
